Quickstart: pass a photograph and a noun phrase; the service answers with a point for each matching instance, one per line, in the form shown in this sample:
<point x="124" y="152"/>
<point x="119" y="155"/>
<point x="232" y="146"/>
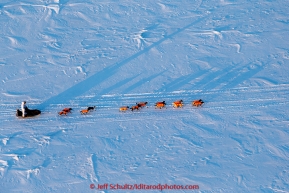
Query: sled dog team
<point x="158" y="105"/>
<point x="138" y="106"/>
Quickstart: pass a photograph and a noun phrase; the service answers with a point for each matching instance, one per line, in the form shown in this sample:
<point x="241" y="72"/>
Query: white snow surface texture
<point x="232" y="54"/>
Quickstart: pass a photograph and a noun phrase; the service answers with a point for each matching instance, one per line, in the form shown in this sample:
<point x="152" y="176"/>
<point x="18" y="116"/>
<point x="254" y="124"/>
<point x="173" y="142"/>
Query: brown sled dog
<point x="85" y="111"/>
<point x="142" y="104"/>
<point x="123" y="108"/>
<point x="160" y="105"/>
<point x="198" y="103"/>
<point x="136" y="107"/>
<point x="65" y="111"/>
<point x="178" y="104"/>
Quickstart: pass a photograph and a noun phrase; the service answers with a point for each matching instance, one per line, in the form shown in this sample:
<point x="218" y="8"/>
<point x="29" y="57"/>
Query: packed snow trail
<point x="216" y="101"/>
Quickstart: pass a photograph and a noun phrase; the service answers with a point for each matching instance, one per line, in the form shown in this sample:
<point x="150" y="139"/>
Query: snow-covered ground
<point x="233" y="54"/>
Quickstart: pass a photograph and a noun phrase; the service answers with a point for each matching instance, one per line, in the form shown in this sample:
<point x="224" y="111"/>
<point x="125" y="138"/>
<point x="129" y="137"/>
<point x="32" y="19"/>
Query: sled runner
<point x="29" y="113"/>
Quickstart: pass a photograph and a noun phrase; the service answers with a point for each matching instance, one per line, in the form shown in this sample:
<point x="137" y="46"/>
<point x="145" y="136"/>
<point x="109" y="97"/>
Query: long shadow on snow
<point x="178" y="83"/>
<point x="142" y="81"/>
<point x="117" y="85"/>
<point x="101" y="76"/>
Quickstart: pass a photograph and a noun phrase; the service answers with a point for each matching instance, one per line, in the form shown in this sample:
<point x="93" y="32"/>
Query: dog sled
<point x="29" y="113"/>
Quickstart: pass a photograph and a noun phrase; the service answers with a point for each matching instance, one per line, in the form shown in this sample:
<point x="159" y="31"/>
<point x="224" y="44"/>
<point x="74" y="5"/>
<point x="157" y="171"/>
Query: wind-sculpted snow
<point x="78" y="53"/>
